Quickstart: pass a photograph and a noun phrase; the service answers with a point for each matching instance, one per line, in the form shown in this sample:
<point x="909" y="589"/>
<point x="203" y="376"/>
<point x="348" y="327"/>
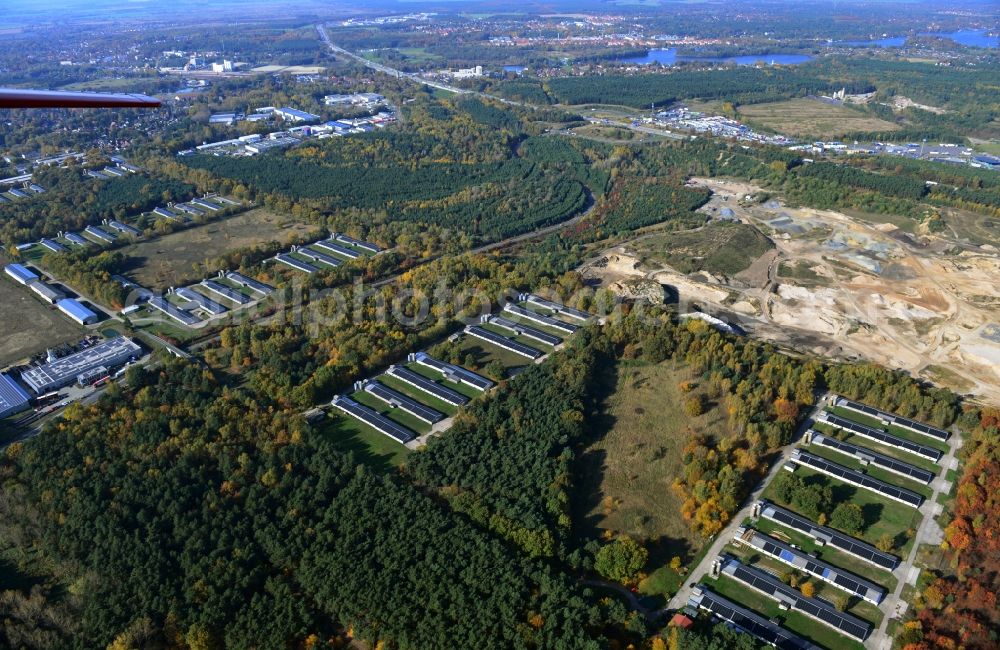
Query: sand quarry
<point x="843" y="288"/>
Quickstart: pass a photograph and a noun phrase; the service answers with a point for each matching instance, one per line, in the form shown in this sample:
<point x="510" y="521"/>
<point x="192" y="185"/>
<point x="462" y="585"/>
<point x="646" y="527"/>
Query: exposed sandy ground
<point x="867" y="292"/>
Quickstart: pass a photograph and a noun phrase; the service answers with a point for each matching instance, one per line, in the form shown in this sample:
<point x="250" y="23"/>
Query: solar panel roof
<point x="880" y="436"/>
<point x="857" y="478"/>
<point x="204" y="302"/>
<point x="337" y="248"/>
<point x="451" y="371"/>
<point x="814" y="607"/>
<point x="558" y="307"/>
<point x="877" y="459"/>
<point x="835" y="538"/>
<point x="899" y="420"/>
<point x="554" y="323"/>
<point x="815" y="566"/>
<point x="225" y="292"/>
<point x="250" y="283"/>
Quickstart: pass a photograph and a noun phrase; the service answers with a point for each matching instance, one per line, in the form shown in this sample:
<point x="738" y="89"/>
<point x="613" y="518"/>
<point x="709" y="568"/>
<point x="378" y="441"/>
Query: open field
<point x="188" y="254"/>
<point x="719" y="248"/>
<point x="812" y="117"/>
<point x="627" y="472"/>
<point x="28" y="326"/>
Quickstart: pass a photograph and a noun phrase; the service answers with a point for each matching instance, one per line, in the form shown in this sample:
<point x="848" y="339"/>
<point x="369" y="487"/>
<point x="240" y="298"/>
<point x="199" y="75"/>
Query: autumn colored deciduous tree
<point x="621" y="560"/>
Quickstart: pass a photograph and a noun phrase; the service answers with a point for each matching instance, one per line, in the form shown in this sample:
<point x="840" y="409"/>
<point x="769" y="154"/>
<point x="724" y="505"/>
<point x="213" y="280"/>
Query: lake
<point x="969" y="38"/>
<point x="670" y="57"/>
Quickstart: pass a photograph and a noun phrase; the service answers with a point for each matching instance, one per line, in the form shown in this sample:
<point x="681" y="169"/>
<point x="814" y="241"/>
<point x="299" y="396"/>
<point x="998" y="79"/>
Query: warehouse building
<point x="364" y="245"/>
<point x="395" y="399"/>
<point x="75" y="310"/>
<point x="338" y="249"/>
<point x="522" y="330"/>
<point x="74" y="238"/>
<point x="100" y="233"/>
<point x="316" y="256"/>
<point x="203" y="302"/>
<point x="295" y="115"/>
<point x="374" y="419"/>
<point x="870" y="457"/>
<point x="125" y="228"/>
<point x="202" y="203"/>
<point x="21" y="274"/>
<point x="225" y="292"/>
<point x="13" y="398"/>
<point x="425" y="385"/>
<point x="298" y="265"/>
<point x="167" y="213"/>
<point x="46" y="293"/>
<point x="555" y="307"/>
<point x="63" y="372"/>
<point x="182" y="316"/>
<point x="542" y="319"/>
